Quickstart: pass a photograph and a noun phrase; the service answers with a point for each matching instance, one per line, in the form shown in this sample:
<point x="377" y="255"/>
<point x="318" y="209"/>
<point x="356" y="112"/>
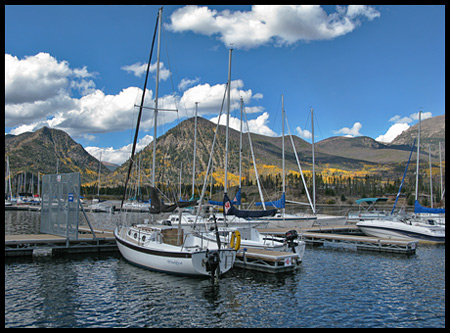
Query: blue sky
<point x="365" y="70"/>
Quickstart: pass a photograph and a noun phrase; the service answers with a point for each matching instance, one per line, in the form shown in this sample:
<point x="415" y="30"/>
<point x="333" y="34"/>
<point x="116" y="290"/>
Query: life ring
<point x="235" y="242"/>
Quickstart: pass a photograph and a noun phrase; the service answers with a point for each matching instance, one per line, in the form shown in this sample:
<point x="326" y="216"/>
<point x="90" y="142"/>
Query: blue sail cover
<point x="229" y="209"/>
<point x="420" y="209"/>
<point x="280" y="203"/>
<point x="236" y="200"/>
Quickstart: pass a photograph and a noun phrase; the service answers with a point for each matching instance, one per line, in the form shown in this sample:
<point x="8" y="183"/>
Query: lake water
<point x="333" y="288"/>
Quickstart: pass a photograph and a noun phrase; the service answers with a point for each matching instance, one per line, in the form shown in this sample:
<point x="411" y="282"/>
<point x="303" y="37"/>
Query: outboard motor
<point x="212" y="262"/>
<point x="291" y="237"/>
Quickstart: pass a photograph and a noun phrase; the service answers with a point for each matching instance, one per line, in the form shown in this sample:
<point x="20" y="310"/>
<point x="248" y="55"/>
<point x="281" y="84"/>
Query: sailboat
<point x="281" y="217"/>
<point x="167" y="248"/>
<point x="99" y="206"/>
<point x="407" y="227"/>
<point x="434" y="216"/>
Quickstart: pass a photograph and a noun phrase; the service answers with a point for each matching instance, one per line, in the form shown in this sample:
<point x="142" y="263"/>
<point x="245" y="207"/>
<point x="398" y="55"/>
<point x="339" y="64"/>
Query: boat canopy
<point x="236" y="200"/>
<point x="420" y="209"/>
<point x="370" y="200"/>
<point x="229" y="209"/>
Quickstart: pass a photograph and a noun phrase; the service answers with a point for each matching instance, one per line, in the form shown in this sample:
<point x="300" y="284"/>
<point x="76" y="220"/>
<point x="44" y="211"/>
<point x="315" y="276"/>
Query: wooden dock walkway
<point x="25" y="245"/>
<point x="348" y="235"/>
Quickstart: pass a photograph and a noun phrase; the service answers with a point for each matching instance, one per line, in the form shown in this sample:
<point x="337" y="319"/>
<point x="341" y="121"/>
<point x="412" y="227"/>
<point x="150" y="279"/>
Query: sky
<point x="364" y="70"/>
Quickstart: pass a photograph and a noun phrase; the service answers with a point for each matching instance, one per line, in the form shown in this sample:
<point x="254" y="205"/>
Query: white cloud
<point x="185" y="83"/>
<point x="304" y="134"/>
<point x="96" y="112"/>
<point x="393" y="131"/>
<point x="120" y="155"/>
<point x="264" y="24"/>
<point x="139" y="69"/>
<point x="350" y="132"/>
<point x="258" y="125"/>
<point x="400" y="125"/>
<point x="210" y="99"/>
<point x="425" y="115"/>
<point x="21" y="77"/>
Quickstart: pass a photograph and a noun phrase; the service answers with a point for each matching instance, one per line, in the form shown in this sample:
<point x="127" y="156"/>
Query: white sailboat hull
<point x="169" y="258"/>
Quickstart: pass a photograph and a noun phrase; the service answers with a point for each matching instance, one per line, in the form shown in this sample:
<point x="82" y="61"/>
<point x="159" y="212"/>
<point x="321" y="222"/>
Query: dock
<point x="29" y="245"/>
<point x="267" y="261"/>
<point x="348" y="236"/>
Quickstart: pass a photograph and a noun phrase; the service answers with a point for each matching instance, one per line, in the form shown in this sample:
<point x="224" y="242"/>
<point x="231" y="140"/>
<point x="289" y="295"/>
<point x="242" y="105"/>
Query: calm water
<point x="333" y="288"/>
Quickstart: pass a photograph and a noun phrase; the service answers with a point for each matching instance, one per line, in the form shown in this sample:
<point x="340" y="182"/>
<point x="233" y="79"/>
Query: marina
<point x="103" y="240"/>
<point x="93" y="283"/>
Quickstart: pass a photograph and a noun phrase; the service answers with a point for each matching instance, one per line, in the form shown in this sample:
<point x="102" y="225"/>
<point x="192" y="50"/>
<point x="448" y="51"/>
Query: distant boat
<point x="402" y="228"/>
<point x="367" y="210"/>
<point x="409" y="227"/>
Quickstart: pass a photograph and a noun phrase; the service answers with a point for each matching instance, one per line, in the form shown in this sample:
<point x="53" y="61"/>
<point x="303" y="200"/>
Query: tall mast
<point x="417" y="163"/>
<point x="240" y="147"/>
<point x="9" y="178"/>
<point x="282" y="152"/>
<point x="228" y="123"/>
<point x="195" y="150"/>
<point x="431" y="175"/>
<point x="440" y="169"/>
<point x="99" y="171"/>
<point x="155" y="122"/>
<point x="140" y="112"/>
<point x="313" y="161"/>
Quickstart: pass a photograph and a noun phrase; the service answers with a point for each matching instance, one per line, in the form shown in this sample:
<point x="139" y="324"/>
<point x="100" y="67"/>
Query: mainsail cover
<point x="229" y="209"/>
<point x="280" y="203"/>
<point x="420" y="209"/>
<point x="157" y="205"/>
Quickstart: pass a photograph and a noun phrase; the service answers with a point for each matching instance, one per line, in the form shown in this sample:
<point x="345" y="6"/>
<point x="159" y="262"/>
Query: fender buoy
<point x="235" y="242"/>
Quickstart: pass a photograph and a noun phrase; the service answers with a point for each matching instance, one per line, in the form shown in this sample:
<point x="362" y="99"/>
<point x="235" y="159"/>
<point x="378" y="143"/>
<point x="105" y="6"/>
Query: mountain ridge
<point x="39" y="150"/>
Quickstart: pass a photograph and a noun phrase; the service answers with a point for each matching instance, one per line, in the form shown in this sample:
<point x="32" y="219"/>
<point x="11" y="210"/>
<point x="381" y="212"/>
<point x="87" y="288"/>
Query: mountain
<point x="432" y="131"/>
<point x="365" y="149"/>
<point x="34" y="152"/>
<point x="338" y="155"/>
<point x="38" y="151"/>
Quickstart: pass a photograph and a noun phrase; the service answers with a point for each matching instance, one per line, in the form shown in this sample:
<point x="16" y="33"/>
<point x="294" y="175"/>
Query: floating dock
<point x="349" y="235"/>
<point x="27" y="245"/>
<point x="267" y="261"/>
<point x="35" y="244"/>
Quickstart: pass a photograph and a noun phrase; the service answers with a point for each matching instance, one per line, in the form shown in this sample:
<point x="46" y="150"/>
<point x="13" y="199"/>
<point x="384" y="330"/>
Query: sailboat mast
<point x="282" y="153"/>
<point x="140" y="113"/>
<point x="155" y="122"/>
<point x="99" y="171"/>
<point x="313" y="161"/>
<point x="240" y="145"/>
<point x="9" y="178"/>
<point x="431" y="175"/>
<point x="440" y="169"/>
<point x="195" y="150"/>
<point x="417" y="163"/>
<point x="228" y="123"/>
